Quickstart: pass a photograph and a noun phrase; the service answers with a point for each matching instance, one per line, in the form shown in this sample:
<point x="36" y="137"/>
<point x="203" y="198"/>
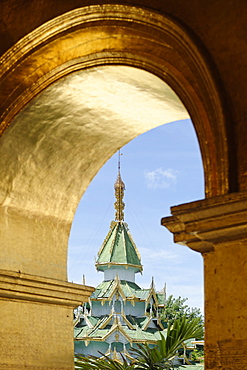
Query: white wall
<point x="122" y="272"/>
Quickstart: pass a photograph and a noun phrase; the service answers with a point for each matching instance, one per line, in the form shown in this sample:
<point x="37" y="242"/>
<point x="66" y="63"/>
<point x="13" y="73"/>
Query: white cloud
<point x="159" y="255"/>
<point x="160" y="178"/>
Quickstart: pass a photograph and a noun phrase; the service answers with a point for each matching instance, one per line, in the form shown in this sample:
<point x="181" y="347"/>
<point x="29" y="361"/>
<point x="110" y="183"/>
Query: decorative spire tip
<point x="119" y="194"/>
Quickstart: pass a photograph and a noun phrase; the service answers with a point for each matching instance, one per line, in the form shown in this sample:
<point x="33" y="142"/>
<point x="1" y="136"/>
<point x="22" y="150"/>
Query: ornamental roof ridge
<point x="132" y="240"/>
<point x="112" y="225"/>
<point x="117" y="287"/>
<point x="118" y="327"/>
<point x="128" y="291"/>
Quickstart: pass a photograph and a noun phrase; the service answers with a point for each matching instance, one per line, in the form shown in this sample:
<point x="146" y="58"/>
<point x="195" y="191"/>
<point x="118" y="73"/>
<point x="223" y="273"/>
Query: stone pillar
<point x="36" y="321"/>
<point x="217" y="228"/>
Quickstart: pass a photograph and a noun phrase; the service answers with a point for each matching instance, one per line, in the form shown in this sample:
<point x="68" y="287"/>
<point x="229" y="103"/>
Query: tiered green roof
<point x="119" y="313"/>
<point x="137" y="334"/>
<point x="118" y="249"/>
<point x="130" y="289"/>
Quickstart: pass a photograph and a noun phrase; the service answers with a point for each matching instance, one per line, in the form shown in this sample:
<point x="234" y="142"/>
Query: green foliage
<point x="150" y="358"/>
<point x="198" y="355"/>
<point x="176" y="309"/>
<point x="161" y="356"/>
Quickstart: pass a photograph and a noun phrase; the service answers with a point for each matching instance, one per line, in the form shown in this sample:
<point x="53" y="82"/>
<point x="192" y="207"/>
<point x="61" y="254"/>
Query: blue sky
<point x="160" y="169"/>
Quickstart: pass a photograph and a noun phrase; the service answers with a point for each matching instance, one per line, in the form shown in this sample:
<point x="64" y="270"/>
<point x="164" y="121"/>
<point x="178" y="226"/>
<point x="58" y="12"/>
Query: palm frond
<point x="105" y="363"/>
<point x="161" y="356"/>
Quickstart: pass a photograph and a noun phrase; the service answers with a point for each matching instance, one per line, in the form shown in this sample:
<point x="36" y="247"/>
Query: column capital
<point x="203" y="224"/>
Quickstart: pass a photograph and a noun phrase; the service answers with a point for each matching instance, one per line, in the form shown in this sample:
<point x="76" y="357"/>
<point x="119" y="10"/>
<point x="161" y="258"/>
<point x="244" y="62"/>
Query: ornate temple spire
<point x="118" y="248"/>
<point x="119" y="194"/>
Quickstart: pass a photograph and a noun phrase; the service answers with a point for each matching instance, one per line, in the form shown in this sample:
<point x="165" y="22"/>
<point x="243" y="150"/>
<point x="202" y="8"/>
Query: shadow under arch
<point x="117" y="34"/>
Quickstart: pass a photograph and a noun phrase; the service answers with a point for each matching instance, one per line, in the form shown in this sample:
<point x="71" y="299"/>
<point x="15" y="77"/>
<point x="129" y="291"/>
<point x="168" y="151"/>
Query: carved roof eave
<point x="117" y="327"/>
<point x="84" y="337"/>
<point x="106" y="322"/>
<point x="128" y="322"/>
<point x="160" y="323"/>
<point x="75" y="322"/>
<point x="132" y="341"/>
<point x="153" y="294"/>
<point x="89" y="324"/>
<point x="128" y="299"/>
<point x="117" y="288"/>
<point x="147" y="323"/>
<point x="126" y="265"/>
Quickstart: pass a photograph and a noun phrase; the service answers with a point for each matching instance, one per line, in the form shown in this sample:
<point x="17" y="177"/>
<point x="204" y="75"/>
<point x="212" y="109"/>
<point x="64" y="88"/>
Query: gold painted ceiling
<point x="60" y="140"/>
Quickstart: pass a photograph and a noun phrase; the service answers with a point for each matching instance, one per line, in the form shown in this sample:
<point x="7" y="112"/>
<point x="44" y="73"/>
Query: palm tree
<point x="161" y="356"/>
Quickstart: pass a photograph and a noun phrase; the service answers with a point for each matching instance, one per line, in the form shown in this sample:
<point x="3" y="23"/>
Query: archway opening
<point x="47" y="162"/>
<point x="160" y="168"/>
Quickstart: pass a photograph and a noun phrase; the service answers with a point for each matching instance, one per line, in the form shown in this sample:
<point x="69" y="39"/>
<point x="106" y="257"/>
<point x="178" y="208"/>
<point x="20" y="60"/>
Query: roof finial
<point x="119" y="154"/>
<point x="119" y="194"/>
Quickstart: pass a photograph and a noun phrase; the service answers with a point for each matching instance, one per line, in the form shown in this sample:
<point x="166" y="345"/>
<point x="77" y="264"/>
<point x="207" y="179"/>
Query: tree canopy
<point x="176" y="309"/>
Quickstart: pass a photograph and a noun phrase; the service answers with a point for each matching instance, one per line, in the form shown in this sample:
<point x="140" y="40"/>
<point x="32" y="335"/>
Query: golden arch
<point x="106" y="34"/>
<point x="34" y="245"/>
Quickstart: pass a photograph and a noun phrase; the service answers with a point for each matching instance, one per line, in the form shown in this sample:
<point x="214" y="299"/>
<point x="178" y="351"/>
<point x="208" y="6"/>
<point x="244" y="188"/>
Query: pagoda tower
<point x="119" y="313"/>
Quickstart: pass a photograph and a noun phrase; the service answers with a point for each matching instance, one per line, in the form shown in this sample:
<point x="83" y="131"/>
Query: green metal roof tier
<point x="161" y="298"/>
<point x="93" y="320"/>
<point x="129" y="289"/>
<point x="137" y="321"/>
<point x="136" y="334"/>
<point x="103" y="290"/>
<point x="118" y="249"/>
<point x="142" y="293"/>
<point x="119" y="310"/>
